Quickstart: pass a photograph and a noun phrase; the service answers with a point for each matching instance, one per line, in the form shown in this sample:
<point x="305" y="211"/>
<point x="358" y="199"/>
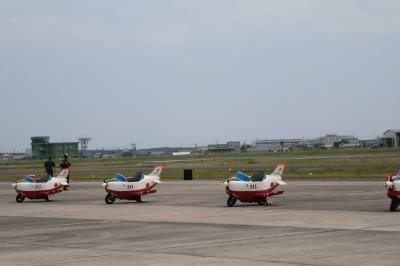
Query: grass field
<point x="352" y="164"/>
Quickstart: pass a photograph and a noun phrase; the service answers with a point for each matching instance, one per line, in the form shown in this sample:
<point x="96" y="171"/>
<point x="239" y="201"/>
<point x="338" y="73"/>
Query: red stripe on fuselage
<point x="39" y="194"/>
<point x="393" y="193"/>
<point x="251" y="195"/>
<point x="128" y="194"/>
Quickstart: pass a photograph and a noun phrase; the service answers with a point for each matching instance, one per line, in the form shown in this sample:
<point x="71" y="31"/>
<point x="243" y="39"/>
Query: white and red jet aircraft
<point x="33" y="187"/>
<point x="131" y="188"/>
<point x="393" y="190"/>
<point x="256" y="188"/>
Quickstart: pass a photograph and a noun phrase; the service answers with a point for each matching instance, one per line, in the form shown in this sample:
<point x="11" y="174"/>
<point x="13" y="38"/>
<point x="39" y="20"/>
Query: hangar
<point x="391" y="138"/>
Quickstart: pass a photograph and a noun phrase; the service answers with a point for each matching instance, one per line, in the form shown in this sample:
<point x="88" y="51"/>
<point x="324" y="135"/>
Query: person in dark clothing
<point x="49" y="166"/>
<point x="64" y="165"/>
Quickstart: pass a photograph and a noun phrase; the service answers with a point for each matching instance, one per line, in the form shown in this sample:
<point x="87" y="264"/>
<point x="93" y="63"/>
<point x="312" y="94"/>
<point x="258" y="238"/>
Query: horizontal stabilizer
<point x="280" y="182"/>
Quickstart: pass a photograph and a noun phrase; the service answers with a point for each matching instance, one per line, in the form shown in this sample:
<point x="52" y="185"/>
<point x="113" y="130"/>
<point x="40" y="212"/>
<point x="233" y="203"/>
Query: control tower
<point x="84" y="145"/>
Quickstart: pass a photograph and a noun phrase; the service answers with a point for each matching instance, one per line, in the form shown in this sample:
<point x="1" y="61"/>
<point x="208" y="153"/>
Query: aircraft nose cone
<point x="104" y="184"/>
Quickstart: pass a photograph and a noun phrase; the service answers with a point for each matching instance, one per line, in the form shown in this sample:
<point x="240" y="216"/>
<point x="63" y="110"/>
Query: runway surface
<point x="187" y="222"/>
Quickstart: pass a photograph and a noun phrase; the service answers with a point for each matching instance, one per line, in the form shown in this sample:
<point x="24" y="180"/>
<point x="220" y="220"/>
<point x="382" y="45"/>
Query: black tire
<point x="139" y="198"/>
<point x="231" y="201"/>
<point x="394" y="204"/>
<point x="47" y="198"/>
<point x="262" y="202"/>
<point x="20" y="198"/>
<point x="109" y="199"/>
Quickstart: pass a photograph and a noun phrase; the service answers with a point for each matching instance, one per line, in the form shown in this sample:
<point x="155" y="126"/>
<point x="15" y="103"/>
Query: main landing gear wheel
<point x="394" y="204"/>
<point x="109" y="199"/>
<point x="139" y="198"/>
<point x="262" y="202"/>
<point x="231" y="201"/>
<point x="20" y="198"/>
<point x="47" y="198"/>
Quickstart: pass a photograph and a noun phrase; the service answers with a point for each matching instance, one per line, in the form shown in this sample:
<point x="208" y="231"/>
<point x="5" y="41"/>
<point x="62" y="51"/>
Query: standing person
<point x="49" y="166"/>
<point x="66" y="164"/>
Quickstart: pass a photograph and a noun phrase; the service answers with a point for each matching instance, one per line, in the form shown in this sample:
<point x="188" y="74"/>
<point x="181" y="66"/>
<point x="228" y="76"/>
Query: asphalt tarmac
<point x="188" y="222"/>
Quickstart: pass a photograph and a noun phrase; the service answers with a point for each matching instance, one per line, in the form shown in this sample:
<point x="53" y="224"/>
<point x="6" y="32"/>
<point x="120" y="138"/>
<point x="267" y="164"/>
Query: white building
<point x="391" y="138"/>
<point x="181" y="153"/>
<point x="329" y="140"/>
<point x="336" y="141"/>
<point x="275" y="144"/>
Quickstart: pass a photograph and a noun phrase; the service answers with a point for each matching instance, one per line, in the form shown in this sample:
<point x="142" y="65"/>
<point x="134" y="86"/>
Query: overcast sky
<point x="172" y="73"/>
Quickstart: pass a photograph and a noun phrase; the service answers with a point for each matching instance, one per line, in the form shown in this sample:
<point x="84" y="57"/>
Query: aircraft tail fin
<point x="279" y="169"/>
<point x="156" y="171"/>
<point x="63" y="173"/>
<point x="62" y="177"/>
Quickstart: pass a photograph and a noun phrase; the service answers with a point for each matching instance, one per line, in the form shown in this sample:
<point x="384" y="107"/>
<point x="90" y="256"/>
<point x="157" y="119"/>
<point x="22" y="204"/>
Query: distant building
<point x="28" y="153"/>
<point x="13" y="156"/>
<point x="234" y="144"/>
<point x="20" y="156"/>
<point x="157" y="153"/>
<point x="349" y="142"/>
<point x="199" y="150"/>
<point x="276" y="144"/>
<point x="329" y="141"/>
<point x="231" y="146"/>
<point x="6" y="157"/>
<point x="181" y="153"/>
<point x="42" y="148"/>
<point x="335" y="141"/>
<point x="109" y="155"/>
<point x="307" y="144"/>
<point x="371" y="143"/>
<point x="391" y="138"/>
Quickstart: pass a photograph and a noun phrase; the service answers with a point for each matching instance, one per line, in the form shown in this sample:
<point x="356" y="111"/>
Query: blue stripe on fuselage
<point x="28" y="179"/>
<point x="120" y="177"/>
<point x="241" y="176"/>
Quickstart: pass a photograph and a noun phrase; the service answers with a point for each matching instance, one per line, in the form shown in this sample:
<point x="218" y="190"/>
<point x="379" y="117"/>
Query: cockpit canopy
<point x="396" y="178"/>
<point x="242" y="177"/>
<point x="136" y="177"/>
<point x="257" y="177"/>
<point x="30" y="179"/>
<point x="43" y="179"/>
